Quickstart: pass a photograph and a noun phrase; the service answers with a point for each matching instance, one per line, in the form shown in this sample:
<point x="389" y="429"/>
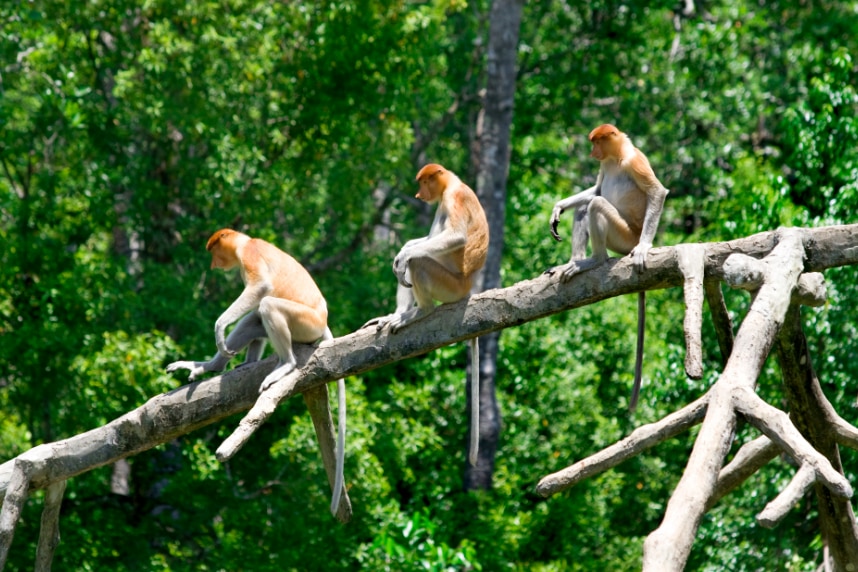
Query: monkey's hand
<point x="400" y="268"/>
<point x="224" y="351"/>
<point x="638" y="255"/>
<point x="220" y="341"/>
<point x="555" y="219"/>
<point x="196" y="368"/>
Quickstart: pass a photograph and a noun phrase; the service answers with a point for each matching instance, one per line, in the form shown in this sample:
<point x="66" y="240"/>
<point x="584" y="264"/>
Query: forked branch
<point x="777" y="282"/>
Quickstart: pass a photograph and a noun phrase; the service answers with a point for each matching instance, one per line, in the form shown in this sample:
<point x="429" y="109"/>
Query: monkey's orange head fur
<point x="605" y="141"/>
<point x="222" y="246"/>
<point x="432" y="179"/>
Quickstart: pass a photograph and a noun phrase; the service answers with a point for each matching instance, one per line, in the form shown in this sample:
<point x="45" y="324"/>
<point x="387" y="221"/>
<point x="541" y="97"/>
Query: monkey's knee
<point x="599" y="205"/>
<point x="267" y="308"/>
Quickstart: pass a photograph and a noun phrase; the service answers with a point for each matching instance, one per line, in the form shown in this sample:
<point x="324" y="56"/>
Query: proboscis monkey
<point x="442" y="266"/>
<point x="280" y="302"/>
<point x="623" y="210"/>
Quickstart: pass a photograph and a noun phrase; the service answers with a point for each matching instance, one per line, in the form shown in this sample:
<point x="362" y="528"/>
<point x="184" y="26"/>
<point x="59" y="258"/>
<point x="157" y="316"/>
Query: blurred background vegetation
<point x="129" y="131"/>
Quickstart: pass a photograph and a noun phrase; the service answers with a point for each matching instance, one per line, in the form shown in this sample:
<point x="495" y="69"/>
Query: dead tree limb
<point x="639" y="441"/>
<point x="192" y="406"/>
<point x="690" y="259"/>
<point x="775" y="283"/>
<point x="49" y="533"/>
<point x="667" y="548"/>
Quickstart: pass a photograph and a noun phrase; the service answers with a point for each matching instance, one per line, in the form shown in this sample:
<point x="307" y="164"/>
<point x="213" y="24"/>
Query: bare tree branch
<point x="720" y="317"/>
<point x="690" y="258"/>
<point x="776" y="510"/>
<point x="49" y="534"/>
<point x="639" y="441"/>
<point x="749" y="459"/>
<point x="815" y="417"/>
<point x="13" y="502"/>
<point x="774" y="279"/>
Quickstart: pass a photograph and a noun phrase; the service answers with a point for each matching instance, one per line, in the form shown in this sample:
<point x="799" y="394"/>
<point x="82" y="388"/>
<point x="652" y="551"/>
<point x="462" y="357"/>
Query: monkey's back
<point x="289" y="279"/>
<point x="477" y="242"/>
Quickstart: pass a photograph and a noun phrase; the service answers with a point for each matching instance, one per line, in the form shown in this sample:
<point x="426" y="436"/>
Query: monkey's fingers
<point x="405" y="283"/>
<point x="638" y="256"/>
<point x="225" y="351"/>
<point x="554" y="233"/>
<point x="197" y="371"/>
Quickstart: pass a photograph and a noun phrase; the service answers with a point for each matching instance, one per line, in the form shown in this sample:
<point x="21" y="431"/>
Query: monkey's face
<point x="429" y="190"/>
<point x="604" y="147"/>
<point x="221" y="258"/>
<point x="605" y="140"/>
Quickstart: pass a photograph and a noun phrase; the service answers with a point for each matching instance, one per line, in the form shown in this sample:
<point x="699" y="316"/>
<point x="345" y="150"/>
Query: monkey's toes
<point x="568" y="273"/>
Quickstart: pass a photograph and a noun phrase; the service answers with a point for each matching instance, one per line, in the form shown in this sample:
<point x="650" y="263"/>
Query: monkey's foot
<point x="379" y="322"/>
<point x="566" y="271"/>
<point x="399" y="321"/>
<point x="569" y="270"/>
<point x="196" y="368"/>
<point x="279" y="373"/>
<point x="573" y="267"/>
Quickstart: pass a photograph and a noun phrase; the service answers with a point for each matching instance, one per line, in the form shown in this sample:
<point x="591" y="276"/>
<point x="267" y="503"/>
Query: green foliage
<point x="118" y="373"/>
<point x="412" y="546"/>
<point x="131" y="131"/>
<point x="821" y="136"/>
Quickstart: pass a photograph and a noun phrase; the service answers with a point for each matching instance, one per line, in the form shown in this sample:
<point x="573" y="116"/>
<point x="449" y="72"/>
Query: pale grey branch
<point x="776" y="510"/>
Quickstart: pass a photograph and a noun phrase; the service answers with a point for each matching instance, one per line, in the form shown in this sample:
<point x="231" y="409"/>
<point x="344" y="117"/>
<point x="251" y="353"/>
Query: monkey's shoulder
<point x="463" y="203"/>
<point x="264" y="256"/>
<point x="638" y="167"/>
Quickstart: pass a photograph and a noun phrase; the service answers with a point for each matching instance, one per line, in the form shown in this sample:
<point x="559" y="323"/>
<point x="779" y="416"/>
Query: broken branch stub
<point x="690" y="259"/>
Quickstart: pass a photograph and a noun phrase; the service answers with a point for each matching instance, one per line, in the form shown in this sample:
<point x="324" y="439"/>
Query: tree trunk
<point x="494" y="152"/>
<point x="812" y="415"/>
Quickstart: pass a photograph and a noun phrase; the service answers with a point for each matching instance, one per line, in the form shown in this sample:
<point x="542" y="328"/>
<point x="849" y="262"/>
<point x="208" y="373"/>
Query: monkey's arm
<point x="656" y="193"/>
<point x="573" y="202"/>
<point x="249" y="300"/>
<point x="448" y="240"/>
<point x="414" y="242"/>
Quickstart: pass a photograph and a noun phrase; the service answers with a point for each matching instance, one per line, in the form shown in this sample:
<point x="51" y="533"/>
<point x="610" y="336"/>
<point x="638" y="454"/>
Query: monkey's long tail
<point x="339" y="478"/>
<point x="636" y="389"/>
<point x="475" y="402"/>
<point x="340" y="452"/>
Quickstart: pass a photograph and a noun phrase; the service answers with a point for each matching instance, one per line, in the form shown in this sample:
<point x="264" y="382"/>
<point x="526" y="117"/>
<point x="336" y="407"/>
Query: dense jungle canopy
<point x="130" y="131"/>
